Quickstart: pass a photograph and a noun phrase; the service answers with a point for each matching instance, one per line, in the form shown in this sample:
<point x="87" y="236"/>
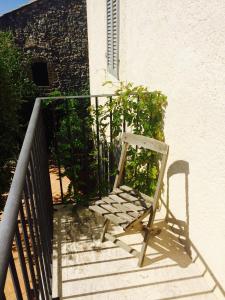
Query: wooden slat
<point x="117" y="212"/>
<point x="110" y="208"/>
<point x="133" y="207"/>
<point x="115" y="219"/>
<point x="108" y="215"/>
<point x="128" y="205"/>
<point x="107" y="200"/>
<point x="141" y="203"/>
<point x="121" y="165"/>
<point x="110" y="200"/>
<point x="122" y="244"/>
<point x="126" y="217"/>
<point x="98" y="209"/>
<point x="125" y="188"/>
<point x="147" y="198"/>
<point x="145" y="142"/>
<point x="126" y="210"/>
<point x="99" y="202"/>
<point x="128" y="197"/>
<point x="116" y="191"/>
<point x="109" y="212"/>
<point x="117" y="199"/>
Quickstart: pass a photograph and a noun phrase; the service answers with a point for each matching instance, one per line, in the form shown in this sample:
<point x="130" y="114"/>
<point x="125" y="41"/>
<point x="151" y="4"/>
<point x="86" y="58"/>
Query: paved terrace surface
<point x="83" y="268"/>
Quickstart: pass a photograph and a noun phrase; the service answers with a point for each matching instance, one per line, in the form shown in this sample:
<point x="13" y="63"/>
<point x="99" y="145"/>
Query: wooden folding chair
<point x="126" y="207"/>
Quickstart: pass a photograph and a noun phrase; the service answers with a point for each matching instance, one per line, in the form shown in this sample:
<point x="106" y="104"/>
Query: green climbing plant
<point x="71" y="142"/>
<point x="89" y="157"/>
<point x="15" y="90"/>
<point x="141" y="111"/>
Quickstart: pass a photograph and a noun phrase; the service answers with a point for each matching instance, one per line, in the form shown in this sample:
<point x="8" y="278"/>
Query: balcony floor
<point x="85" y="269"/>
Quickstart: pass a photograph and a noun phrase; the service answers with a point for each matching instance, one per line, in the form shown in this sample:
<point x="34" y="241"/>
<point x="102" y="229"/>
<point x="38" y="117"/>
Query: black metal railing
<point x="27" y="219"/>
<point x="26" y="227"/>
<point x="104" y="157"/>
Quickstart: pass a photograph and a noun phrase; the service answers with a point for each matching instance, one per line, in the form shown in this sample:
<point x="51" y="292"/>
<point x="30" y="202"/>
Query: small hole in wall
<point x="40" y="73"/>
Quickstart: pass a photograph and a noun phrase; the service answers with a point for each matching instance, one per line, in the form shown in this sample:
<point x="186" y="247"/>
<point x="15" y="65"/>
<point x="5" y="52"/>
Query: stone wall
<point x="54" y="32"/>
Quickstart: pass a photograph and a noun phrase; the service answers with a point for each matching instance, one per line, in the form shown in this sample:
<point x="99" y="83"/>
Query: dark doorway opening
<point x="40" y="73"/>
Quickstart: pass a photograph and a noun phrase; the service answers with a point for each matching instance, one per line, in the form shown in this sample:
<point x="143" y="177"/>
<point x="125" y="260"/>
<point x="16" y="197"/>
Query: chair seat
<point x="123" y="206"/>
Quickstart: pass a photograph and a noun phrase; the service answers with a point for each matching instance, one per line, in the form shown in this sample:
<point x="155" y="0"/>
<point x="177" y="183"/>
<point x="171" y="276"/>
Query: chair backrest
<point x="146" y="143"/>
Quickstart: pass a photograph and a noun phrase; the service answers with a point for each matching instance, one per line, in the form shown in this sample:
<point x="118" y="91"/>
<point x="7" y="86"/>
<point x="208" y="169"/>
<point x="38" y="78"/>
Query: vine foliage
<point x="140" y="111"/>
<point x="69" y="126"/>
<point x="89" y="158"/>
<point x="15" y="90"/>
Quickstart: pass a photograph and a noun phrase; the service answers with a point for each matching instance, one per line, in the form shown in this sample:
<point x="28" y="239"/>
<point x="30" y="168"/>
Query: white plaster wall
<point x="96" y="11"/>
<point x="178" y="47"/>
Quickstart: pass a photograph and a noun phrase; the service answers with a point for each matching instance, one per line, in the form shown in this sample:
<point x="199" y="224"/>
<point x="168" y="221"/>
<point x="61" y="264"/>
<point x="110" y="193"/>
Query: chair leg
<point x="144" y="247"/>
<point x="105" y="228"/>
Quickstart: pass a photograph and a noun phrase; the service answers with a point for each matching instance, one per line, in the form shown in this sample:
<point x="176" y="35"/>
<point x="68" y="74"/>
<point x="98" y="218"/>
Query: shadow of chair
<point x="168" y="245"/>
<point x="180" y="227"/>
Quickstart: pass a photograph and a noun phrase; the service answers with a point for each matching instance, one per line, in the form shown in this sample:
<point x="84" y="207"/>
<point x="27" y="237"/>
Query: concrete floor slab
<point x="83" y="268"/>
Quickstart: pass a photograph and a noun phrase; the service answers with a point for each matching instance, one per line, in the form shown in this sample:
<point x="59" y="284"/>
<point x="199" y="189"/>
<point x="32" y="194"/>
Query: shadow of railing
<point x="171" y="249"/>
<point x="148" y="285"/>
<point x="83" y="252"/>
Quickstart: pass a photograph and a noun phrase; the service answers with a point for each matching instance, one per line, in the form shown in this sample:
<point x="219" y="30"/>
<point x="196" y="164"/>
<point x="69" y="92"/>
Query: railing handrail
<point x="84" y="96"/>
<point x="77" y="97"/>
<point x="11" y="210"/>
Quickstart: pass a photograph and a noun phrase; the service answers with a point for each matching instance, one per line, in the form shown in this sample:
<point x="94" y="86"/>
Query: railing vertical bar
<point x="23" y="263"/>
<point x="106" y="166"/>
<point x="33" y="240"/>
<point x="58" y="161"/>
<point x="38" y="198"/>
<point x="148" y="179"/>
<point x="34" y="198"/>
<point x="111" y="146"/>
<point x="42" y="212"/>
<point x="15" y="278"/>
<point x="47" y="187"/>
<point x="137" y="124"/>
<point x="138" y="100"/>
<point x="124" y="125"/>
<point x="98" y="145"/>
<point x="85" y="158"/>
<point x="72" y="148"/>
<point x="124" y="122"/>
<point x="110" y="119"/>
<point x="28" y="250"/>
<point x="41" y="203"/>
